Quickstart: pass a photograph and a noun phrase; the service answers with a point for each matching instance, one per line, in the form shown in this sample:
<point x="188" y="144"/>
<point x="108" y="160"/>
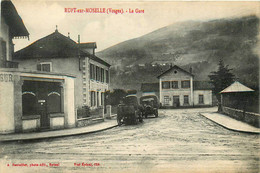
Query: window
<point x="175" y="84"/>
<point x="44" y="66"/>
<point x="102" y="75"/>
<point x="185" y="84"/>
<point x="92" y="72"/>
<point x="93" y="98"/>
<point x="97" y="98"/>
<point x="201" y="99"/>
<point x="186" y="100"/>
<point x="3" y="48"/>
<point x="166" y="100"/>
<point x="98" y="76"/>
<point x="166" y="85"/>
<point x="107" y="76"/>
<point x="102" y="98"/>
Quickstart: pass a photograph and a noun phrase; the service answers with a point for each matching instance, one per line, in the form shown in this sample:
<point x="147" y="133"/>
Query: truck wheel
<point x="119" y="122"/>
<point x="156" y="113"/>
<point x="141" y="119"/>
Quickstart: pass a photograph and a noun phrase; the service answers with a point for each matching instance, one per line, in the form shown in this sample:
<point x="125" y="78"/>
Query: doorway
<point x="41" y="98"/>
<point x="176" y="101"/>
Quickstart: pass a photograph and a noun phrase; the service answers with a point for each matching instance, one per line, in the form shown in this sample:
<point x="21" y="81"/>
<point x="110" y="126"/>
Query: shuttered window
<point x="102" y="75"/>
<point x="166" y="85"/>
<point x="185" y="84"/>
<point x="107" y="76"/>
<point x="92" y="72"/>
<point x="175" y="84"/>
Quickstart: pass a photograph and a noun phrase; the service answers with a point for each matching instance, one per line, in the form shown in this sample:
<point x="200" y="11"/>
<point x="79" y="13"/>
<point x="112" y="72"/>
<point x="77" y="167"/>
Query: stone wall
<point x="88" y="121"/>
<point x="247" y="117"/>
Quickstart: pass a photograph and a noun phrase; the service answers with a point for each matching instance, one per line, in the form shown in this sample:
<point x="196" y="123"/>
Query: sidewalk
<point x="107" y="124"/>
<point x="230" y="123"/>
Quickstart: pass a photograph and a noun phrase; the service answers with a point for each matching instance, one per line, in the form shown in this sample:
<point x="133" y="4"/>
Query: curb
<point x="235" y="130"/>
<point x="65" y="135"/>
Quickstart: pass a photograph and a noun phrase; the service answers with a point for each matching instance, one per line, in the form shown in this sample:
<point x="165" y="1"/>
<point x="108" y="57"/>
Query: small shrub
<point x="83" y="112"/>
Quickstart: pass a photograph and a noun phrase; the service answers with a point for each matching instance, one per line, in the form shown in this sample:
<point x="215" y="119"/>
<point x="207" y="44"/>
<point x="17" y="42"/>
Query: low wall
<point x="97" y="112"/>
<point x="31" y="123"/>
<point x="247" y="117"/>
<point x="188" y="106"/>
<point x="88" y="121"/>
<point x="113" y="109"/>
<point x="57" y="121"/>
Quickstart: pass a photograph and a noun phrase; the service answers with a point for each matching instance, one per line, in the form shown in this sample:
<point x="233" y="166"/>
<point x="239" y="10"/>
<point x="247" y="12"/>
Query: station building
<point x="177" y="88"/>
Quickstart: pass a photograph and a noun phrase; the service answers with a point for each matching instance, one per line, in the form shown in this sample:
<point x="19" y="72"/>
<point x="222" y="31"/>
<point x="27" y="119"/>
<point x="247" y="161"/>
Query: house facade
<point x="57" y="53"/>
<point x="177" y="88"/>
<point x="12" y="27"/>
<point x="30" y="100"/>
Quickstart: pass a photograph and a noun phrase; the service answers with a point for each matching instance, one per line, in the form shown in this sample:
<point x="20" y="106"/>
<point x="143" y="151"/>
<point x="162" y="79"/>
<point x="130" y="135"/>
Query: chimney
<point x="191" y="70"/>
<point x="79" y="39"/>
<point x="68" y="34"/>
<point x="56" y="30"/>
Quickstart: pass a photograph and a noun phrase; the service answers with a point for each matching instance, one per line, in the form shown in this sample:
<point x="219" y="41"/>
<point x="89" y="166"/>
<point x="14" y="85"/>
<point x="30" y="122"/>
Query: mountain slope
<point x="192" y="43"/>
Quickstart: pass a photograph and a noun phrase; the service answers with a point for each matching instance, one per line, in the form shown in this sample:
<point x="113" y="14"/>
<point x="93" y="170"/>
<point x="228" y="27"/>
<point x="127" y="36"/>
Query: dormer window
<point x="44" y="66"/>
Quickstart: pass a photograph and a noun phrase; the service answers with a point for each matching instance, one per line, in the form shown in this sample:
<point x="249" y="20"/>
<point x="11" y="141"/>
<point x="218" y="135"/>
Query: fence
<point x="247" y="117"/>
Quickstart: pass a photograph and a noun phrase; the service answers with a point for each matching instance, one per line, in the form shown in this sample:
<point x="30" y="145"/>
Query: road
<point x="178" y="141"/>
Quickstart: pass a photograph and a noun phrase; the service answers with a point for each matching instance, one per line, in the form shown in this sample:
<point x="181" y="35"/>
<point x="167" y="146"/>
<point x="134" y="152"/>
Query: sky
<point x="107" y="29"/>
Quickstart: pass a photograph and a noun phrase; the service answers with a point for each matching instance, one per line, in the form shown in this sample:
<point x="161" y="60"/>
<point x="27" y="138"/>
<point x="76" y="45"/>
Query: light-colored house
<point x="30" y="100"/>
<point x="12" y="27"/>
<point x="177" y="88"/>
<point x="59" y="54"/>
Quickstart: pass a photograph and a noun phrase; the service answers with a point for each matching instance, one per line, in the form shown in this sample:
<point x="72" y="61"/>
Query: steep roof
<point x="236" y="87"/>
<point x="55" y="45"/>
<point x="150" y="87"/>
<point x="51" y="46"/>
<point x="202" y="85"/>
<point x="175" y="67"/>
<point x="13" y="20"/>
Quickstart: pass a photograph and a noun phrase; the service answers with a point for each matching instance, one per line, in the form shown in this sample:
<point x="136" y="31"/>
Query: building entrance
<point x="176" y="101"/>
<point x="41" y="98"/>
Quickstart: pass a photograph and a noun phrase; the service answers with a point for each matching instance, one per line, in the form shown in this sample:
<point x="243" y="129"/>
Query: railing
<point x="8" y="64"/>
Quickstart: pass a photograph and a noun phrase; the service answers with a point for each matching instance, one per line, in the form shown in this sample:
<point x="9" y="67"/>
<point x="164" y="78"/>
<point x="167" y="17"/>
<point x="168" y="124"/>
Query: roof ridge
<point x="37" y="41"/>
<point x="175" y="66"/>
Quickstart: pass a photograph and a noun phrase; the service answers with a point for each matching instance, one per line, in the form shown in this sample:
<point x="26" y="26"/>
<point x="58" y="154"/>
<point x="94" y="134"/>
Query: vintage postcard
<point x="129" y="86"/>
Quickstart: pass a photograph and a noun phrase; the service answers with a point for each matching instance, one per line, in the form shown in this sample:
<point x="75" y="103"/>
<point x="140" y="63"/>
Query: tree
<point x="221" y="79"/>
<point x="116" y="96"/>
